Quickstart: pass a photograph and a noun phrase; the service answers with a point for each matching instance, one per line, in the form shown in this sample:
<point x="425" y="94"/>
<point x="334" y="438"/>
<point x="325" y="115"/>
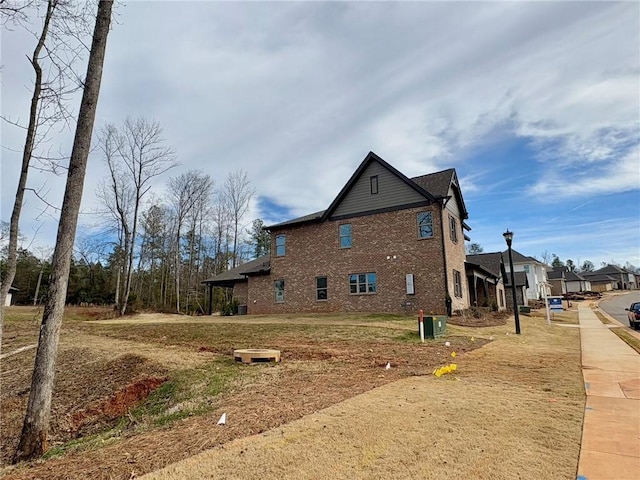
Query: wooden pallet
<point x="256" y="355"/>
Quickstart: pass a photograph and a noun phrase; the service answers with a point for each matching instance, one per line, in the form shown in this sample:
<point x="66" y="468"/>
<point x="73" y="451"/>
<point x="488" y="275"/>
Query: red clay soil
<point x="117" y="404"/>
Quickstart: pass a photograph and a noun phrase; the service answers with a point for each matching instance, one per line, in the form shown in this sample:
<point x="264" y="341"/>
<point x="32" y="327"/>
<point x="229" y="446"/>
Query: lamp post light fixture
<point x="508" y="236"/>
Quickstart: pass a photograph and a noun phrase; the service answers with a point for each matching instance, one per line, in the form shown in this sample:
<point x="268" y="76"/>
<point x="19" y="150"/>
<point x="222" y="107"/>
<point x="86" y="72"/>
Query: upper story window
<point x="280" y="245"/>
<point x="453" y="228"/>
<point x="361" y="283"/>
<point x="373" y="181"/>
<point x="345" y="235"/>
<point x="425" y="225"/>
<point x="321" y="288"/>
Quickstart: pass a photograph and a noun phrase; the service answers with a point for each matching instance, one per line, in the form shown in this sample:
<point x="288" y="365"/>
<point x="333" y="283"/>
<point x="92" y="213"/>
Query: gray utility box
<point x="434" y="326"/>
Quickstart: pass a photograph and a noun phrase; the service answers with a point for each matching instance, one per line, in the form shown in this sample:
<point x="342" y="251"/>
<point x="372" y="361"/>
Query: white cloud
<point x="298" y="93"/>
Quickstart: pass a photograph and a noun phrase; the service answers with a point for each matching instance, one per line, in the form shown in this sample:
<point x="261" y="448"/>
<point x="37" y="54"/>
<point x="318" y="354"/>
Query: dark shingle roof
<point x="491" y="262"/>
<point x="238" y="274"/>
<point x="431" y="186"/>
<point x="598" y="277"/>
<point x="556" y="274"/>
<point x="438" y="183"/>
<point x="306" y="218"/>
<point x="521" y="279"/>
<point x="611" y="270"/>
<point x="519" y="258"/>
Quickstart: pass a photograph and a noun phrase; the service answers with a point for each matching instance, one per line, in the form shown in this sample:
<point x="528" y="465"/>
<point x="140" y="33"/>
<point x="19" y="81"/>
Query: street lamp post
<point x="508" y="236"/>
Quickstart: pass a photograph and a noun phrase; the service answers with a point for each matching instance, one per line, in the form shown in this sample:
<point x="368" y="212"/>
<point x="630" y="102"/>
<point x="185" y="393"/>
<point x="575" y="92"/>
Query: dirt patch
<point x="479" y="318"/>
<point x="116" y="405"/>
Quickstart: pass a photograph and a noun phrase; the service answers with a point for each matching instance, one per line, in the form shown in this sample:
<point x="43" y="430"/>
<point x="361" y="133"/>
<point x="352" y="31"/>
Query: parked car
<point x="634" y="315"/>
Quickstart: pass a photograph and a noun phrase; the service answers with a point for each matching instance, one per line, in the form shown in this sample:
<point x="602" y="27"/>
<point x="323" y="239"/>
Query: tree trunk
<point x="33" y="440"/>
<point x="12" y="254"/>
<point x="35" y="295"/>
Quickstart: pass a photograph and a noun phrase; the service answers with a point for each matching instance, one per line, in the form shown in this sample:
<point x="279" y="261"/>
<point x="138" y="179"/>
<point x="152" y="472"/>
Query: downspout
<point x="448" y="301"/>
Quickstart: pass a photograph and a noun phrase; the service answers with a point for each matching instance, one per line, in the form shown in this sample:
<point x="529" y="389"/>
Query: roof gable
<point x="519" y="258"/>
<point x="395" y="190"/>
<point x="610" y="270"/>
<point x="492" y="262"/>
<point x="443" y="184"/>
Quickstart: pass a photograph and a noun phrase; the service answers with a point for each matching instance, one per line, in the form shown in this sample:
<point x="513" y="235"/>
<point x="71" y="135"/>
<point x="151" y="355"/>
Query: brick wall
<point x="456" y="255"/>
<point x="385" y="243"/>
<point x="241" y="292"/>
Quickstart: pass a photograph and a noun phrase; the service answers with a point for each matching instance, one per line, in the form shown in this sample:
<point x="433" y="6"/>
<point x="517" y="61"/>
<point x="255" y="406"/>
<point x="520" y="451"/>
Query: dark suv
<point x="634" y="315"/>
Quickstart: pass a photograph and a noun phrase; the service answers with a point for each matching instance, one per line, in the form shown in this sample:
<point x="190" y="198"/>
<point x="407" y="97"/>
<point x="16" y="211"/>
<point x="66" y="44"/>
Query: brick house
<point x="387" y="243"/>
<point x="485" y="276"/>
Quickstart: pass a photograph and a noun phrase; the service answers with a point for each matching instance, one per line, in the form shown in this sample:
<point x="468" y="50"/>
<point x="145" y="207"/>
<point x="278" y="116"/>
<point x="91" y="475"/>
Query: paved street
<point x="611" y="431"/>
<point x="615" y="305"/>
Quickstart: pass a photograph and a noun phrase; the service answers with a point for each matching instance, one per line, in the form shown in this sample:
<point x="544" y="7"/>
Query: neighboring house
<point x="563" y="281"/>
<point x="625" y="280"/>
<point x="387" y="243"/>
<point x="536" y="271"/>
<point x="485" y="274"/>
<point x="9" y="298"/>
<point x="522" y="286"/>
<point x="601" y="282"/>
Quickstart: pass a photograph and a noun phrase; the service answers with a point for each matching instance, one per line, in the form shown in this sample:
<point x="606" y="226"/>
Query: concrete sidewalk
<point x="611" y="431"/>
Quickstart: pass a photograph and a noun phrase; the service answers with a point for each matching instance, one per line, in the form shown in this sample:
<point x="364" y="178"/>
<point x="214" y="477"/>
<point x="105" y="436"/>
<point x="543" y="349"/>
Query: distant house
<point x="9" y="298"/>
<point x="600" y="282"/>
<point x="485" y="274"/>
<point x="535" y="270"/>
<point x="387" y="243"/>
<point x="522" y="286"/>
<point x="563" y="281"/>
<point x="625" y="279"/>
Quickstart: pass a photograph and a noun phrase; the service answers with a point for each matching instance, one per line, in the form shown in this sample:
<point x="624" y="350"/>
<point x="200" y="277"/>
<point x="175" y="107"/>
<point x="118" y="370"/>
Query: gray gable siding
<point x="452" y="204"/>
<point x="392" y="192"/>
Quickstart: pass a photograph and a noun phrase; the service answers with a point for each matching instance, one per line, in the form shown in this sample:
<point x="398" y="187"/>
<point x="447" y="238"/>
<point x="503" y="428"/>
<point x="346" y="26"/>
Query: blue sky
<point x="536" y="105"/>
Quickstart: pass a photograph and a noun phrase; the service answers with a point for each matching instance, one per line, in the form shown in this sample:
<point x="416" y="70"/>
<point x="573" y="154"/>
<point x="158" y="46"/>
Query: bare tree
<point x="63" y="21"/>
<point x="33" y="440"/>
<point x="238" y="194"/>
<point x="135" y="154"/>
<point x="187" y="191"/>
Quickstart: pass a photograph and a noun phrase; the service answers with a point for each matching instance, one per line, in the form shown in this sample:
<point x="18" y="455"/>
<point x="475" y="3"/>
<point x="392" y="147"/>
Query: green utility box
<point x="524" y="308"/>
<point x="434" y="326"/>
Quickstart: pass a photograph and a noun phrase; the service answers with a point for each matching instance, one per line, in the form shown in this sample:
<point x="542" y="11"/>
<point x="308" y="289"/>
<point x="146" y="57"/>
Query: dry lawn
<point x="513" y="410"/>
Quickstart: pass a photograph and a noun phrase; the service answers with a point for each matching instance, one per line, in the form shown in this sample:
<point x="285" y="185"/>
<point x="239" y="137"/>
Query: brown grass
<point x="629" y="339"/>
<point x="513" y="410"/>
<point x="520" y="394"/>
<point x="602" y="317"/>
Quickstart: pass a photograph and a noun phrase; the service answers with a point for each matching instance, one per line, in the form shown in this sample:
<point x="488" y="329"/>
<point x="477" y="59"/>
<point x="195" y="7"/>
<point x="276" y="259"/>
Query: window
<point x="453" y="229"/>
<point x="363" y="283"/>
<point x="280" y="245"/>
<point x="321" y="288"/>
<point x="345" y="235"/>
<point x="279" y="291"/>
<point x="457" y="284"/>
<point x="373" y="181"/>
<point x="526" y="268"/>
<point x="501" y="298"/>
<point x="425" y="225"/>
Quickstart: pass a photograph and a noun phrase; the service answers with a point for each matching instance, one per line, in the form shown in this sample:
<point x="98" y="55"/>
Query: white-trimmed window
<point x="279" y="291"/>
<point x="321" y="288"/>
<point x="363" y="283"/>
<point x="344" y="231"/>
<point x="281" y="241"/>
<point x="425" y="225"/>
